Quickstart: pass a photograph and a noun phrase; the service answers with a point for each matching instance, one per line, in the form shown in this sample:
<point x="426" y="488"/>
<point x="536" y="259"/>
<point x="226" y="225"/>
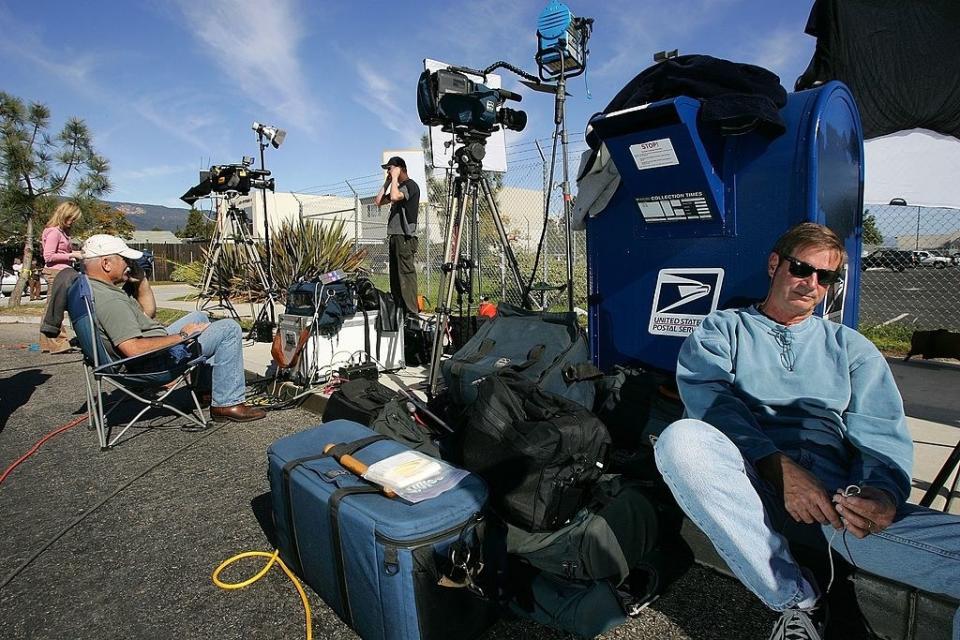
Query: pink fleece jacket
<point x="56" y="248"/>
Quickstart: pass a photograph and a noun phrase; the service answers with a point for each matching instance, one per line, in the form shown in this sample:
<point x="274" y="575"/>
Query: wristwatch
<point x="184" y="334"/>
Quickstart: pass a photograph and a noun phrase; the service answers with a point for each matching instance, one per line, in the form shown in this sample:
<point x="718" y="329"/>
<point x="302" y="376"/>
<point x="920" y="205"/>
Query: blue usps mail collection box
<point x="691" y="225"/>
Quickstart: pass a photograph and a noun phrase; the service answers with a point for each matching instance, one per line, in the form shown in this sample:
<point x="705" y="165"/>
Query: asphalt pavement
<point x="926" y="298"/>
<point x="137" y="564"/>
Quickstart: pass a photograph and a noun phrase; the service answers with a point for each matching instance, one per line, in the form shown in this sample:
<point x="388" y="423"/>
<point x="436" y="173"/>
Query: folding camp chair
<point x="148" y="388"/>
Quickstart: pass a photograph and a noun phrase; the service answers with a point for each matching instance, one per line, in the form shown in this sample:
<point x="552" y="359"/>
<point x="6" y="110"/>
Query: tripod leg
<point x="451" y="255"/>
<point x="208" y="269"/>
<point x="475" y="260"/>
<point x="505" y="243"/>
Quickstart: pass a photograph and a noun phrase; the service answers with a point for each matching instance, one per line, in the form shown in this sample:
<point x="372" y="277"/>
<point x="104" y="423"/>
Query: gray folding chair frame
<point x="100" y="369"/>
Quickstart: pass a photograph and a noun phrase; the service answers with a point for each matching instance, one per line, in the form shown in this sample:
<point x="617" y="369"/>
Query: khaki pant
<point x="61" y="343"/>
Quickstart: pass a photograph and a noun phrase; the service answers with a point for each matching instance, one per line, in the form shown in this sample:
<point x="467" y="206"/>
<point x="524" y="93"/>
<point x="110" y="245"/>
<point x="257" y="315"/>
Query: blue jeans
<point x="222" y="344"/>
<point x="745" y="519"/>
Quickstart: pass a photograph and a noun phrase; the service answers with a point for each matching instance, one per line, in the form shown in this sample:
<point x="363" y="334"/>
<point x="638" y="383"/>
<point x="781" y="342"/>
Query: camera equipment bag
<point x="359" y="400"/>
<point x="540" y="453"/>
<point x="368" y="296"/>
<point x="418" y="333"/>
<point x="550" y="349"/>
<point x="380" y="563"/>
<point x="396" y="421"/>
<point x="331" y="302"/>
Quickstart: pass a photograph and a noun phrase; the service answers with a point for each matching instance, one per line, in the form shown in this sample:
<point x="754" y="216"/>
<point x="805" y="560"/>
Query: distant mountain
<point x="152" y="216"/>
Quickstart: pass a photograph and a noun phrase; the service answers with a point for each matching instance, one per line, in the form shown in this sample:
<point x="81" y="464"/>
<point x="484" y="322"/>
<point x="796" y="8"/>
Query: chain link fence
<point x="910" y="262"/>
<point x="519" y="195"/>
<point x="911" y="267"/>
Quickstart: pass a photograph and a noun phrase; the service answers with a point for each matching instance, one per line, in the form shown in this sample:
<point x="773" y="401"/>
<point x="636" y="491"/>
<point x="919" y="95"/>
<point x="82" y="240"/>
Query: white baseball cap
<point x="103" y="244"/>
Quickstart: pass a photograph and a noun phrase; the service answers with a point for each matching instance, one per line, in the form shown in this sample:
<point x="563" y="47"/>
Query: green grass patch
<point x="893" y="339"/>
<point x="166" y="316"/>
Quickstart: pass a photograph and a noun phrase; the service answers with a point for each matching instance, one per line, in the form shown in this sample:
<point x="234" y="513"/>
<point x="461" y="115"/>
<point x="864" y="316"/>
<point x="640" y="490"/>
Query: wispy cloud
<point x="255" y="45"/>
<point x="785" y="51"/>
<point x="381" y="95"/>
<point x="647" y="26"/>
<point x="466" y="30"/>
<point x="180" y="117"/>
<point x="83" y="74"/>
<point x="156" y="171"/>
<point x="20" y="40"/>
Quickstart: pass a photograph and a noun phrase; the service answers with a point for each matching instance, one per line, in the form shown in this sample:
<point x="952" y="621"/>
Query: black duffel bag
<point x="360" y="400"/>
<point x="549" y="349"/>
<point x="540" y="453"/>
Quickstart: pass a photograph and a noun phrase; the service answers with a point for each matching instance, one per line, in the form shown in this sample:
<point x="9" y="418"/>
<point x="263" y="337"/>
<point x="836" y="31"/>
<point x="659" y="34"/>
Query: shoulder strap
<point x="533" y="356"/>
<point x="335" y="499"/>
<point x="340" y="449"/>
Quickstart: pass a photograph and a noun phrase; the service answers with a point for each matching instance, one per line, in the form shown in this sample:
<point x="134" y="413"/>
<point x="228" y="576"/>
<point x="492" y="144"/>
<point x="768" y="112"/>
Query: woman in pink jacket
<point x="58" y="254"/>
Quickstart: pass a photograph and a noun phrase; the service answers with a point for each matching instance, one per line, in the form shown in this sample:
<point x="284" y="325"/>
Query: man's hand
<point x="804" y="497"/>
<point x="394" y="173"/>
<point x="195" y="327"/>
<point x="871" y="511"/>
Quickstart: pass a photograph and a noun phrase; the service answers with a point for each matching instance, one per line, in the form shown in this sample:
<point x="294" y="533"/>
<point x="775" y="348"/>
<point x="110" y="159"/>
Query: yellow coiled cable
<point x="274" y="559"/>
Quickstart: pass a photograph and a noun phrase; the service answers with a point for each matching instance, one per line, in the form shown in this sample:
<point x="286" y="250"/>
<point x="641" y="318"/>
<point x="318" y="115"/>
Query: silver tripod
<point x="463" y="190"/>
<point x="232" y="225"/>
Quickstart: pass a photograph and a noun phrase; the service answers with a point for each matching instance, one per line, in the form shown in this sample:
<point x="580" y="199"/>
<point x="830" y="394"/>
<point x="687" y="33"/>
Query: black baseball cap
<point x="395" y="161"/>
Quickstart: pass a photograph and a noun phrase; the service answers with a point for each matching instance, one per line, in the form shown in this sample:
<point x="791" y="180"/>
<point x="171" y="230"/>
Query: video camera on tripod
<point x="448" y="98"/>
<point x="229" y="178"/>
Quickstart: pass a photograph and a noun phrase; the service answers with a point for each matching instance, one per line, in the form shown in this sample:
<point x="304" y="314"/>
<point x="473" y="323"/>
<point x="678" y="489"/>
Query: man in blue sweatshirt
<point x="789" y="415"/>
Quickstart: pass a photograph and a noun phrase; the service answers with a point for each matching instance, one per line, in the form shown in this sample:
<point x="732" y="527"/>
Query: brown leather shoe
<point x="236" y="413"/>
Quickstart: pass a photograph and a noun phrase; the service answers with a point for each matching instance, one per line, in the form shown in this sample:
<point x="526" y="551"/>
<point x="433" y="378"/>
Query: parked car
<point x="889" y="259"/>
<point x="956" y="258"/>
<point x="9" y="280"/>
<point x="932" y="259"/>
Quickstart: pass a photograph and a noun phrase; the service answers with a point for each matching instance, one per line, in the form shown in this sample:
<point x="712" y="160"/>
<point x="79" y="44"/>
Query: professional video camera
<point x="224" y="178"/>
<point x="450" y="99"/>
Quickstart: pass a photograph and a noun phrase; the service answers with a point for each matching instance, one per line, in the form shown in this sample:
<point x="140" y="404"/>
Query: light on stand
<point x="273" y="135"/>
<point x="267" y="135"/>
<point x="561" y="41"/>
<point x="561" y="53"/>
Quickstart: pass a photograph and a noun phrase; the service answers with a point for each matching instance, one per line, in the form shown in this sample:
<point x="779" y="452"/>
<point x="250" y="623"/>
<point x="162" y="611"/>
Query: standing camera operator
<point x="404" y="197"/>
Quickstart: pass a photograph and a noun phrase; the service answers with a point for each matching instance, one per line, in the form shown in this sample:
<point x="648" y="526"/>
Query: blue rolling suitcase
<point x="376" y="561"/>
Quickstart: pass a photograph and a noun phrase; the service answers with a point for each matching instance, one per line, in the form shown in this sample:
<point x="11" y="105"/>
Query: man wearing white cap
<point x="130" y="332"/>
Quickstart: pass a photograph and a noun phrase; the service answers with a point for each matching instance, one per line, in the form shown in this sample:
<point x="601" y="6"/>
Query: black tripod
<point x="215" y="294"/>
<point x="465" y="188"/>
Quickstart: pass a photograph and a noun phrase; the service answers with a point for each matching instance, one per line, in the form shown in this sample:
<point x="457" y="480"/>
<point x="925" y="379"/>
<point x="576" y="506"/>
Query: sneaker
<point x="798" y="624"/>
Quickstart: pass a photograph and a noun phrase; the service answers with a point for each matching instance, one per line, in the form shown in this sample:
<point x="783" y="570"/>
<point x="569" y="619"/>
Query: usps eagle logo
<point x="682" y="299"/>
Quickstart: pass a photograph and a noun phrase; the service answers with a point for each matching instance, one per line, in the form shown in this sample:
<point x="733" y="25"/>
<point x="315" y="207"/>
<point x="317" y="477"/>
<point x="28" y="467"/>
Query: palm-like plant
<point x="306" y="249"/>
<point x="300" y="249"/>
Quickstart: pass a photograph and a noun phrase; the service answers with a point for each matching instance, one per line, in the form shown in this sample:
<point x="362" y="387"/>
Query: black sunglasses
<point x="801" y="269"/>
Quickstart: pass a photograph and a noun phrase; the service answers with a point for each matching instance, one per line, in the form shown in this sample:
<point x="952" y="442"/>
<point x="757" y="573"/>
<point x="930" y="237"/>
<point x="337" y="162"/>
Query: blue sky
<point x="170" y="87"/>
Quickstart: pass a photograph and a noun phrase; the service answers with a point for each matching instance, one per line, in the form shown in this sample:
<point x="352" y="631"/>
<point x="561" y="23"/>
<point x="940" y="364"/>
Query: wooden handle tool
<point x="358" y="468"/>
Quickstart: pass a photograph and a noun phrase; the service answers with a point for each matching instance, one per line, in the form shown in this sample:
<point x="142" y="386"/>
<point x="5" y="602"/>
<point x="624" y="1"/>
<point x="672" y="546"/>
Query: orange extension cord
<point x="33" y="450"/>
